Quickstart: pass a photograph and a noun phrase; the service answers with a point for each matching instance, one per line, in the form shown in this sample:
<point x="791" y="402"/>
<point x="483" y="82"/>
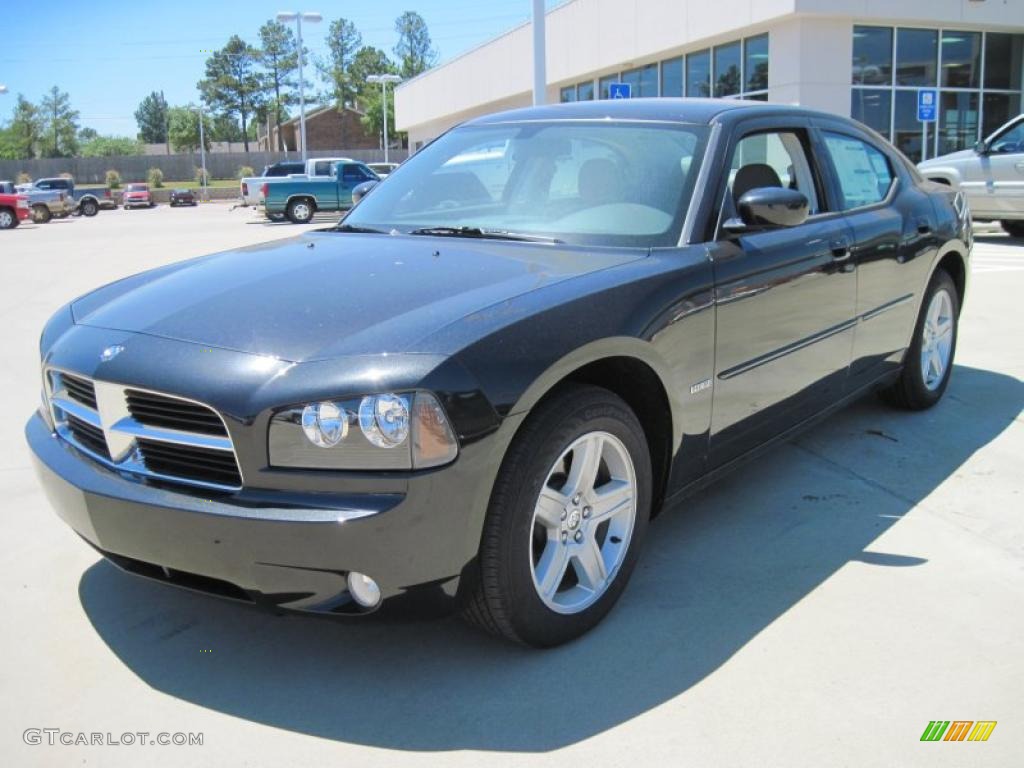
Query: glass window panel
<point x="698" y="74"/>
<point x="961" y="59"/>
<point x="604" y="86"/>
<point x="755" y="62"/>
<point x="999" y="108"/>
<point x="1004" y="61"/>
<point x="727" y="69"/>
<point x="908" y="131"/>
<point x="872" y="106"/>
<point x="585" y="91"/>
<point x="1009" y="142"/>
<point x="643" y="81"/>
<point x="567" y="94"/>
<point x="756" y="97"/>
<point x="872" y="55"/>
<point x="958" y="121"/>
<point x="917" y="53"/>
<point x="864" y="173"/>
<point x="672" y="77"/>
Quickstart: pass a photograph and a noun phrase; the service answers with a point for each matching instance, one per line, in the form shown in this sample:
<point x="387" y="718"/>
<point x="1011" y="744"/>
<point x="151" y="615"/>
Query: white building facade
<point x="862" y="58"/>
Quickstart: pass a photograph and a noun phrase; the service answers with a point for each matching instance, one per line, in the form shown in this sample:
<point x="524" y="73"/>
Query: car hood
<point x="323" y="295"/>
<point x="963" y="154"/>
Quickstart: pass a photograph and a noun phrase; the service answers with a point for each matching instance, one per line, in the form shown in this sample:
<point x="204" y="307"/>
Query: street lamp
<point x="384" y="80"/>
<point x="298" y="17"/>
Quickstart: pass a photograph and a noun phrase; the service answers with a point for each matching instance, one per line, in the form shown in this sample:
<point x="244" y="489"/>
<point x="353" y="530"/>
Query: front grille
<point x="80" y="390"/>
<point x="188" y="461"/>
<point x="89" y="436"/>
<point x="147" y="434"/>
<point x="155" y="410"/>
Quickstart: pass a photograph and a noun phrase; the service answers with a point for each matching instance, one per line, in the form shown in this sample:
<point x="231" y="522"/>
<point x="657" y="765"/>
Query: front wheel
<point x="929" y="361"/>
<point x="89" y="208"/>
<point x="1013" y="228"/>
<point x="566" y="520"/>
<point x="300" y="211"/>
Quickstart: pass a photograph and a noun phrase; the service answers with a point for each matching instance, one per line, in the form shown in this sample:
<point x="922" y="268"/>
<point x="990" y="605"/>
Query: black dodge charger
<point x="478" y="389"/>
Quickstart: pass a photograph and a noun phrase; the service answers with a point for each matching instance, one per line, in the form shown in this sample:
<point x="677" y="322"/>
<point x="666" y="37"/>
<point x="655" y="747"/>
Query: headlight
<point x="387" y="431"/>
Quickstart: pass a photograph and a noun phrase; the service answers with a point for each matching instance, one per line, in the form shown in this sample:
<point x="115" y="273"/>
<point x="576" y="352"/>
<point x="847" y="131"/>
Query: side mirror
<point x="981" y="147"/>
<point x="769" y="208"/>
<point x="362" y="190"/>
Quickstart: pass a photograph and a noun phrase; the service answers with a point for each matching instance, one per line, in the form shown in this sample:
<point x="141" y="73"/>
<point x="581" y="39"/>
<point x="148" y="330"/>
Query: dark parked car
<point x="182" y="197"/>
<point x="478" y="388"/>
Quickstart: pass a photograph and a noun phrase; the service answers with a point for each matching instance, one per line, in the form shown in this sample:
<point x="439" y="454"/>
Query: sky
<point x="109" y="56"/>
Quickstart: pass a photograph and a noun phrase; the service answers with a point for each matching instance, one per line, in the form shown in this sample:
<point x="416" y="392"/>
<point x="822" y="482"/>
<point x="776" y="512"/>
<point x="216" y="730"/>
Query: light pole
<point x="298" y="17"/>
<point x="539" y="55"/>
<point x="384" y="80"/>
<point x="202" y="154"/>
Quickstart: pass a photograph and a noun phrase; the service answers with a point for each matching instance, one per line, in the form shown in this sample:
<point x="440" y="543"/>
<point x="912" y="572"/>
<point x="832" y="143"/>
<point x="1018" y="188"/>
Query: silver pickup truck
<point x="991" y="176"/>
<point x="44" y="203"/>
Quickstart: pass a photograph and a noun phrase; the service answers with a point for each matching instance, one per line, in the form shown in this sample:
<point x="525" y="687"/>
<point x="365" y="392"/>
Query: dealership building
<point x="863" y="58"/>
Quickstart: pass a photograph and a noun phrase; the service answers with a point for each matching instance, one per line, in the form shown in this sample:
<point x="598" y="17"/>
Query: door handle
<point x="923" y="226"/>
<point x="840" y="248"/>
<point x="1019" y="167"/>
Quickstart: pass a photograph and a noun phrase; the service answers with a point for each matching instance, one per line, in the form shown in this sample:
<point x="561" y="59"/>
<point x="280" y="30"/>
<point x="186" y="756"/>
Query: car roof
<point x="676" y="110"/>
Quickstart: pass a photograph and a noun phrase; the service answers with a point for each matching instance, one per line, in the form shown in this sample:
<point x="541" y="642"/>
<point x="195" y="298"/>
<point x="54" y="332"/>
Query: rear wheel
<point x="929" y="361"/>
<point x="1013" y="228"/>
<point x="89" y="207"/>
<point x="566" y="520"/>
<point x="8" y="219"/>
<point x="300" y="211"/>
<point x="41" y="214"/>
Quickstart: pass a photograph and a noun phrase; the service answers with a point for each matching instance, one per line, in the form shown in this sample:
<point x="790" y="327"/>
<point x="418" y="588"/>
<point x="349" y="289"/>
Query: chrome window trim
<point x="121" y="428"/>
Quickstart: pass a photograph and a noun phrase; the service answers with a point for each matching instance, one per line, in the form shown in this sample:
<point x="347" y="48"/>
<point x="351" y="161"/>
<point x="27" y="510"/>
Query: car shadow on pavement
<point x="718" y="569"/>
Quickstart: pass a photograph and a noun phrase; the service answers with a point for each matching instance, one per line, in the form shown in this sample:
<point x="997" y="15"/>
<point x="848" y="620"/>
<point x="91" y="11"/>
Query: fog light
<point x="364" y="589"/>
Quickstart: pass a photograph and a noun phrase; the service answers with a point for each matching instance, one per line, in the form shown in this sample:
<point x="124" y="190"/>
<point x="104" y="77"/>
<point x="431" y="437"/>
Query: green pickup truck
<point x="299" y="198"/>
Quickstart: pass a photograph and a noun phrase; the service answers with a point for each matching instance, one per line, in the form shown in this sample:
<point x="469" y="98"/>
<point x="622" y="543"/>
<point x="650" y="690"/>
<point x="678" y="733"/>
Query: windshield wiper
<point x="482" y="234"/>
<point x="355" y="228"/>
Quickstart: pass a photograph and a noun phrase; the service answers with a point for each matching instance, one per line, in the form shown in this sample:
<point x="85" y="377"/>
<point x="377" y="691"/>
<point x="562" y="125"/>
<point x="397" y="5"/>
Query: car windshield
<point x="585" y="183"/>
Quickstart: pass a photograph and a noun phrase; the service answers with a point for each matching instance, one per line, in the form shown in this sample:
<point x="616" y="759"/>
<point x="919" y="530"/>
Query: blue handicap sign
<point x="927" y="104"/>
<point x="620" y="91"/>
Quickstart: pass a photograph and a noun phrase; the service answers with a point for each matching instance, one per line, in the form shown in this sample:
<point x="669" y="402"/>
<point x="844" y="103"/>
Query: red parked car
<point x="137" y="195"/>
<point x="13" y="210"/>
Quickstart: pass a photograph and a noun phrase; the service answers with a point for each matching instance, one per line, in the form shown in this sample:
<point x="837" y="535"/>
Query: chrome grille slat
<point x="144" y="433"/>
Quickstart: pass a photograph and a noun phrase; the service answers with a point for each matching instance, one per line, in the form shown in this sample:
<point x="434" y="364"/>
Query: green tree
<point x="343" y="40"/>
<point x="60" y="124"/>
<point x="110" y="146"/>
<point x="152" y="118"/>
<point x="87" y="134"/>
<point x="183" y="128"/>
<point x="23" y="134"/>
<point x="232" y="85"/>
<point x="415" y="50"/>
<point x="373" y="61"/>
<point x="279" y="55"/>
<point x="224" y="128"/>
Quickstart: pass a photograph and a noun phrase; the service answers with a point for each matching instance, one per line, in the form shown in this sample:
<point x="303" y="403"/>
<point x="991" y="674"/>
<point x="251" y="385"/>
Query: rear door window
<point x="864" y="174"/>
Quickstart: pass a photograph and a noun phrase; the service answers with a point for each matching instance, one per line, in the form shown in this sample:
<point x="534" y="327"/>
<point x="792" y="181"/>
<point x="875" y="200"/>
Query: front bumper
<point x="281" y="549"/>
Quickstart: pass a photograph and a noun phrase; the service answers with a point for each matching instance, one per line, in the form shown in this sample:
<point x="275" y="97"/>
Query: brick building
<point x="326" y="129"/>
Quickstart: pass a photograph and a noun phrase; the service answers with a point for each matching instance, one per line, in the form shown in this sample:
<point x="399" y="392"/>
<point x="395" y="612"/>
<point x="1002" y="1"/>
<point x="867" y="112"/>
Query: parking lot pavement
<point x="818" y="608"/>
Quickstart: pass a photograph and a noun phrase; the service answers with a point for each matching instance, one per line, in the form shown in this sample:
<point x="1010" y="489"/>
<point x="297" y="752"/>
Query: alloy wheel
<point x="582" y="522"/>
<point x="937" y="340"/>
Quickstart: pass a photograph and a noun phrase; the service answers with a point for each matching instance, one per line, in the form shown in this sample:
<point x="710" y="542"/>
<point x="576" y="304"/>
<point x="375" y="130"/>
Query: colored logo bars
<point x="958" y="730"/>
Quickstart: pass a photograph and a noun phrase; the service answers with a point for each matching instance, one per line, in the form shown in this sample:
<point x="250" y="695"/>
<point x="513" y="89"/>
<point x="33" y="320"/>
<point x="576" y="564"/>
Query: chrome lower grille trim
<point x="195" y="450"/>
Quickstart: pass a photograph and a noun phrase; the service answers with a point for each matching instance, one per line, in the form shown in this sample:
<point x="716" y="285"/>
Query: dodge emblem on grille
<point x="110" y="353"/>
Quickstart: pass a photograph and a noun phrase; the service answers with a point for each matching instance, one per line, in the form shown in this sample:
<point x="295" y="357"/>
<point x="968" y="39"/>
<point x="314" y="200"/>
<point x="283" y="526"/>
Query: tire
<point x="919" y="386"/>
<point x="8" y="219"/>
<point x="300" y="211"/>
<point x="515" y="590"/>
<point x="1013" y="228"/>
<point x="89" y="207"/>
<point x="41" y="214"/>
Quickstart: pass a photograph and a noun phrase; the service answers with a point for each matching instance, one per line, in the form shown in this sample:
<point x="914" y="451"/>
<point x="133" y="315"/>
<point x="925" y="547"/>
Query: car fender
<point x="948" y="174"/>
<point x="603" y="349"/>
